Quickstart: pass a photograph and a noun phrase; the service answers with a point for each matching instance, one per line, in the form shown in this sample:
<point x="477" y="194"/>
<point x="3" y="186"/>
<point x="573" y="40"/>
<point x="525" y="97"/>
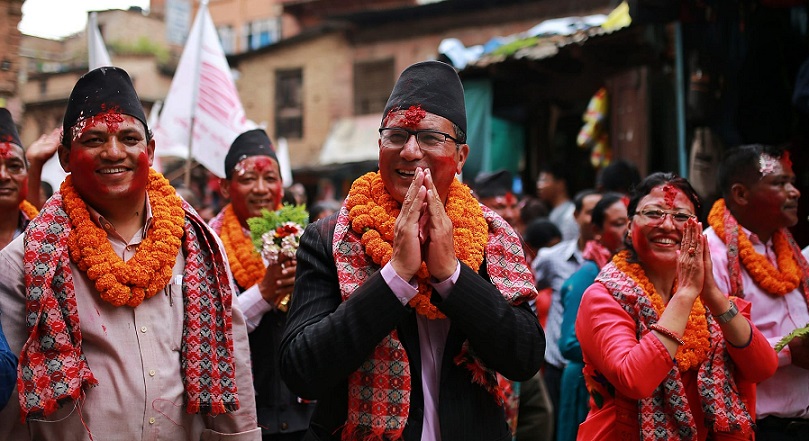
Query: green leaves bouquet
<point x="278" y="233"/>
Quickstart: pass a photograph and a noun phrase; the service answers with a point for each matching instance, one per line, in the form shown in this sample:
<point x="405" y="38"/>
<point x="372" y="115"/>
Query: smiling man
<point x="16" y="211"/>
<point x="755" y="257"/>
<point x="15" y="214"/>
<point x="253" y="183"/>
<point x="117" y="297"/>
<point x="408" y="299"/>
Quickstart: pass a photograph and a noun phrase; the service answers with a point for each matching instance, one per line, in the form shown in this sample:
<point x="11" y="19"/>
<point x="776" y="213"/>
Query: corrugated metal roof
<point x="538" y="48"/>
<point x="544" y="40"/>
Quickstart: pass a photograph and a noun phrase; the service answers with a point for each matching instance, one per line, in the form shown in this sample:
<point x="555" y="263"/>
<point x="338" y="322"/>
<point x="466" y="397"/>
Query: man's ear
<point x="64" y="157"/>
<point x="224" y="187"/>
<point x="463" y="155"/>
<point x="150" y="146"/>
<point x="739" y="194"/>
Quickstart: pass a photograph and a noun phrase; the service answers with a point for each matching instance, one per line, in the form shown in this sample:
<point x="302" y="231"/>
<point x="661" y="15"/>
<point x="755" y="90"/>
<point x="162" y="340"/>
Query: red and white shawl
<point x="379" y="391"/>
<point x="53" y="368"/>
<point x="664" y="416"/>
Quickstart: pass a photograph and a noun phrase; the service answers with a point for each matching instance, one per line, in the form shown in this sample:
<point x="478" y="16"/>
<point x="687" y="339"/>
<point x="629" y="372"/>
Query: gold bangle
<point x="283" y="305"/>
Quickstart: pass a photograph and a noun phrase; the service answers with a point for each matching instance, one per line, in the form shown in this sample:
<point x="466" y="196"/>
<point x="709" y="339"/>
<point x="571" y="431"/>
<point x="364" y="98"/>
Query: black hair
<point x="559" y="170"/>
<point x="532" y="208"/>
<point x="540" y="232"/>
<point x="47" y="188"/>
<point x="460" y="135"/>
<point x="741" y="165"/>
<point x="578" y="200"/>
<point x="322" y="206"/>
<point x="620" y="176"/>
<point x="607" y="200"/>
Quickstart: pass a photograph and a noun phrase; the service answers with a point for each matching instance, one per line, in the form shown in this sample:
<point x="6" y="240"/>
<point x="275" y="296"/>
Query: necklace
<point x="245" y="262"/>
<point x="776" y="281"/>
<point x="696" y="335"/>
<point x="373" y="211"/>
<point x="28" y="209"/>
<point x="150" y="269"/>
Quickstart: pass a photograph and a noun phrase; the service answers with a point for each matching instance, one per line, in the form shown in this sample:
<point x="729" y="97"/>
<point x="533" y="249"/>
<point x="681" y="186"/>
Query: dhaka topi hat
<point x="432" y="85"/>
<point x="8" y="130"/>
<point x="493" y="184"/>
<point x="250" y="143"/>
<point x="103" y="91"/>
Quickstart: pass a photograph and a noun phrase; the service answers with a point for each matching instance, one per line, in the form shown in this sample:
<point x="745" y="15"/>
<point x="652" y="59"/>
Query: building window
<point x="43" y="88"/>
<point x="289" y="103"/>
<point x="227" y="38"/>
<point x="262" y="33"/>
<point x="373" y="81"/>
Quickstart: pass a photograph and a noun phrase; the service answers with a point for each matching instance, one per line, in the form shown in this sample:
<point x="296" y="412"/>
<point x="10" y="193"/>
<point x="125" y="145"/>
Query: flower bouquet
<point x="277" y="233"/>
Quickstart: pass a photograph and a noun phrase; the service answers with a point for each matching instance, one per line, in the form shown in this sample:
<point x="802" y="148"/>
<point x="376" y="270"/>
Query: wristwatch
<point x="283" y="305"/>
<point x="727" y="315"/>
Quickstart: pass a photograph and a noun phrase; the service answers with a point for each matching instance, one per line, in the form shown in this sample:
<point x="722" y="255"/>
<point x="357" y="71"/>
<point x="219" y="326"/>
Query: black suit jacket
<point x="326" y="339"/>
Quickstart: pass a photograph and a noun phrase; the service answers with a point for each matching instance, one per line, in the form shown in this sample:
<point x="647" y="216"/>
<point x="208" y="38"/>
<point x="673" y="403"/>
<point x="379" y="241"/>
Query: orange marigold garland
<point x="697" y="338"/>
<point x="245" y="262"/>
<point x="372" y="212"/>
<point x="28" y="209"/>
<point x="776" y="281"/>
<point x="150" y="269"/>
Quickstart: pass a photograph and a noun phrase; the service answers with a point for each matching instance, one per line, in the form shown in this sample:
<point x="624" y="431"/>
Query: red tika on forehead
<point x="670" y="193"/>
<point x="786" y="160"/>
<point x="414" y="115"/>
<point x="5" y="149"/>
<point x="111" y="117"/>
<point x="510" y="198"/>
<point x="259" y="164"/>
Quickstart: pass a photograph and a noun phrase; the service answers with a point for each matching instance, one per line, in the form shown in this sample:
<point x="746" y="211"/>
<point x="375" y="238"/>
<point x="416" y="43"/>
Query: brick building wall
<point x="10" y="16"/>
<point x="326" y="66"/>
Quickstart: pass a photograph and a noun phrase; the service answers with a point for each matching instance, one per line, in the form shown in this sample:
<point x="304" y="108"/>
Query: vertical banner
<point x="202" y="107"/>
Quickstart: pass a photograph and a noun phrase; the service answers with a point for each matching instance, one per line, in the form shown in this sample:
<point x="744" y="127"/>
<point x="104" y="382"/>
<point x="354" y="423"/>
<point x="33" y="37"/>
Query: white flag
<point x="96" y="49"/>
<point x="202" y="98"/>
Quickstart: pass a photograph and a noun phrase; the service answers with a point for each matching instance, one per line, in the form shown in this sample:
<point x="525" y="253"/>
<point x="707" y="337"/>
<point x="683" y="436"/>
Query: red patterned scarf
<point x="597" y="252"/>
<point x="664" y="415"/>
<point x="53" y="368"/>
<point x="373" y="411"/>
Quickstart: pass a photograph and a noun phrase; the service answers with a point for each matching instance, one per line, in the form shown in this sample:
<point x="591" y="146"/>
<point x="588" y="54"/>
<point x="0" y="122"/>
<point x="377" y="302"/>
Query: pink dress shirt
<point x="432" y="336"/>
<point x="786" y="394"/>
<point x="135" y="355"/>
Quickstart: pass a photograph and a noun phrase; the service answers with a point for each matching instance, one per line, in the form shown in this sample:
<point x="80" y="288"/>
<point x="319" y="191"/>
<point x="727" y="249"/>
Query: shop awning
<point x="352" y="139"/>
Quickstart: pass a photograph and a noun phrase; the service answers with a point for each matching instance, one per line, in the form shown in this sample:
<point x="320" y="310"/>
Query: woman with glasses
<point x="667" y="355"/>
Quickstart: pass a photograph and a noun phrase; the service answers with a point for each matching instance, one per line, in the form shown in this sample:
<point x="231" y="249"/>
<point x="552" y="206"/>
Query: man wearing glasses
<point x="408" y="299"/>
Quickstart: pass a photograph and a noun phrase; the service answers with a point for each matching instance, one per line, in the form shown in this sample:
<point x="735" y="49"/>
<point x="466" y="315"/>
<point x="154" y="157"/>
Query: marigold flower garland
<point x="245" y="262"/>
<point x="28" y="209"/>
<point x="764" y="274"/>
<point x="373" y="211"/>
<point x="696" y="336"/>
<point x="150" y="269"/>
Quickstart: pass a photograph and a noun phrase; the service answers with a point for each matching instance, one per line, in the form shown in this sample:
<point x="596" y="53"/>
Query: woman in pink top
<point x="667" y="355"/>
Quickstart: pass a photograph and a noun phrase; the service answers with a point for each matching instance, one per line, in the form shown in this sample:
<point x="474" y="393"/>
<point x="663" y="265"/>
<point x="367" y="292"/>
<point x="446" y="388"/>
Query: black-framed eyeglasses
<point x="397" y="137"/>
<point x="656" y="216"/>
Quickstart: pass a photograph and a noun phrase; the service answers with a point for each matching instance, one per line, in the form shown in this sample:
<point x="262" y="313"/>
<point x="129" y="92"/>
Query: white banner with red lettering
<point x="202" y="95"/>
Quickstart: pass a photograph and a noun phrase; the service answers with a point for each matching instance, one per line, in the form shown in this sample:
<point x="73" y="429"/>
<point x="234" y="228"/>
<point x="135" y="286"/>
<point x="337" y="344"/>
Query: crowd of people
<point x="419" y="308"/>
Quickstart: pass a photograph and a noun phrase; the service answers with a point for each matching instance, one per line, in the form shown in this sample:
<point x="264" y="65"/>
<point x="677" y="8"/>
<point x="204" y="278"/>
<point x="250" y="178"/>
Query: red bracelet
<point x="667" y="332"/>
